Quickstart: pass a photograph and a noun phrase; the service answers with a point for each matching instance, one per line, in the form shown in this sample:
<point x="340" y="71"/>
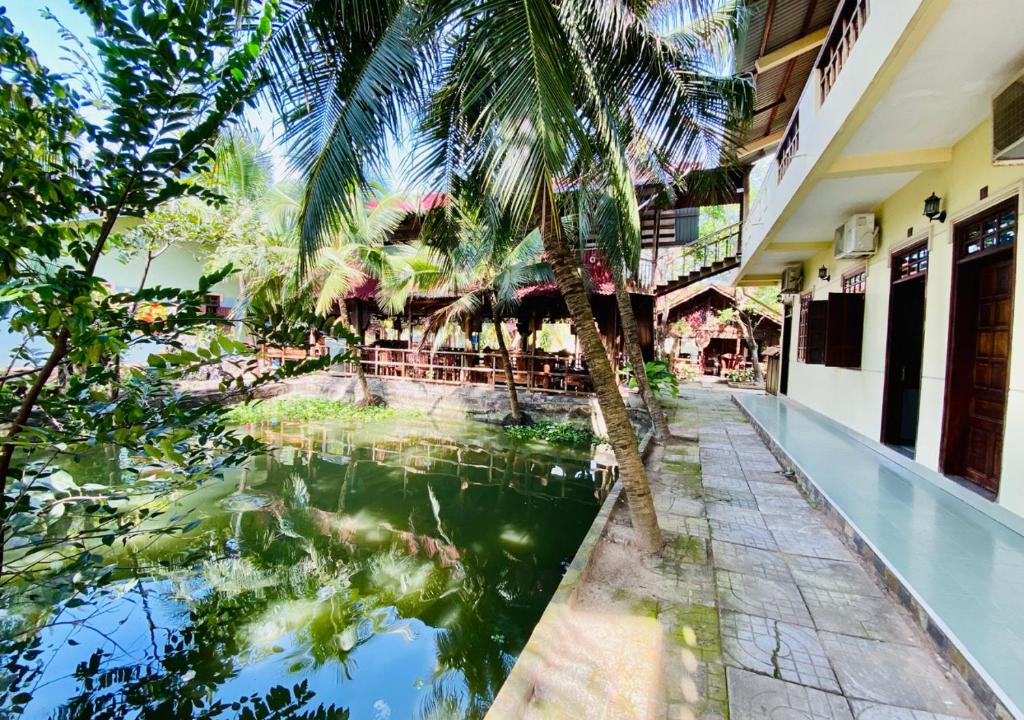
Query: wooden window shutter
<point x="687" y="225"/>
<point x="845" y="334"/>
<point x="817" y="331"/>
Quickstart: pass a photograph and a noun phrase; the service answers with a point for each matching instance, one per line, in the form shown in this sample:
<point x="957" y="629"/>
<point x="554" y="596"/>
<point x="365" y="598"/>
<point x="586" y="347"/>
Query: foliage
<point x="686" y="373"/>
<point x="174" y="76"/>
<point x="483" y="257"/>
<point x="564" y="433"/>
<point x="740" y="376"/>
<point x="310" y="409"/>
<point x="663" y="381"/>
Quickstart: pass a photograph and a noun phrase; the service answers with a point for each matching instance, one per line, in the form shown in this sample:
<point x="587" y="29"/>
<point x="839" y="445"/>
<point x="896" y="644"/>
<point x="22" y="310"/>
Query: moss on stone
<point x="697" y="628"/>
<point x="639" y="606"/>
<point x="689" y="549"/>
<point x="686" y="475"/>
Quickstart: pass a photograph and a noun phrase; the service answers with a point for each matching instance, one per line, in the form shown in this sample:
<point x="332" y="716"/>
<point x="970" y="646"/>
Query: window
<point x="855" y="282"/>
<point x="995" y="229"/>
<point x="801" y="345"/>
<point x="687" y="225"/>
<point x="817" y="331"/>
<point x="831" y="331"/>
<point x="844" y="335"/>
<point x="212" y="306"/>
<point x="910" y="263"/>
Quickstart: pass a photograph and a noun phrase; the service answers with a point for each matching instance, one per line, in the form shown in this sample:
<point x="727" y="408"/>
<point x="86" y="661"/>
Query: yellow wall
<point x="854" y="397"/>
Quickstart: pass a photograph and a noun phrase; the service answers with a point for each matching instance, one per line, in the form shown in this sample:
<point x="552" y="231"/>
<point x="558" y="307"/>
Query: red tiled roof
<point x="602" y="282"/>
<point x="419" y="205"/>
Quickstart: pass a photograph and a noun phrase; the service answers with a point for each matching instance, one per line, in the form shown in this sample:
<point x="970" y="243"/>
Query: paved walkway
<point x="806" y="632"/>
<point x="755" y="611"/>
<point x="960" y="555"/>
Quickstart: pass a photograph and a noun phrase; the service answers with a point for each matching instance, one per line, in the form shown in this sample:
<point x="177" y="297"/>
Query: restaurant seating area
<point x="547" y="372"/>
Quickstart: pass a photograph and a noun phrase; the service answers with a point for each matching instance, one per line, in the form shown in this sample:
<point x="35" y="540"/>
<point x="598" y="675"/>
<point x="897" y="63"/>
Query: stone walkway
<point x="806" y="632"/>
<point x="755" y="611"/>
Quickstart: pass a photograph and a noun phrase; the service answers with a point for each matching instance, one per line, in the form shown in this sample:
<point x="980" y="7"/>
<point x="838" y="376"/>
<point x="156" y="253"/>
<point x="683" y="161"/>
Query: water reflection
<point x="396" y="572"/>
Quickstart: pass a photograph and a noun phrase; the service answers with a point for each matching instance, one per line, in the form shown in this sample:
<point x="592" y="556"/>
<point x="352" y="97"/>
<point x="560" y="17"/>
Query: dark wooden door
<point x="787" y="339"/>
<point x="990" y="376"/>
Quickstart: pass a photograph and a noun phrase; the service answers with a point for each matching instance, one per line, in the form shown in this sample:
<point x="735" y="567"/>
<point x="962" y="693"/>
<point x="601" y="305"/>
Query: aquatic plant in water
<point x="564" y="433"/>
<point x="312" y="409"/>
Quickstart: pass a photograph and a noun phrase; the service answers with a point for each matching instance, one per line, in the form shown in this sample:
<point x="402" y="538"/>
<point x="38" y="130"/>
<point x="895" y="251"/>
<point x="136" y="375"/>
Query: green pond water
<point x="397" y="569"/>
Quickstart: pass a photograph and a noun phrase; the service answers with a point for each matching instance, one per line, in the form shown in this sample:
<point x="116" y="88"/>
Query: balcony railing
<point x="843" y="35"/>
<point x="789" y="147"/>
<point x="678" y="262"/>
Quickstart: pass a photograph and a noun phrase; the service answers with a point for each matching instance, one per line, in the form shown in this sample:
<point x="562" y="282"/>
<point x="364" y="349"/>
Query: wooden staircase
<point x="682" y="265"/>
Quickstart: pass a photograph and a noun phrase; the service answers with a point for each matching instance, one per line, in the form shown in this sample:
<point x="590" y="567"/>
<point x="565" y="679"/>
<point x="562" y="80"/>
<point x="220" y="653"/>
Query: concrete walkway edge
<point x="992" y="698"/>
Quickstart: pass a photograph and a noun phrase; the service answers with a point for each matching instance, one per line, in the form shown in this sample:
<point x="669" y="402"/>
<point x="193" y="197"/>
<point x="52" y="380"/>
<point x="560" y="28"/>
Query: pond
<point x="388" y="570"/>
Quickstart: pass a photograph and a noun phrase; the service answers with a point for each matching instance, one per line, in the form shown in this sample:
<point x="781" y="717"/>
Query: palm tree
<point x="487" y="262"/>
<point x="527" y="93"/>
<point x="598" y="217"/>
<point x="359" y="249"/>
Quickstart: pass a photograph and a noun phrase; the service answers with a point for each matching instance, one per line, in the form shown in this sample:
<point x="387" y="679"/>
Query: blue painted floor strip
<point x="963" y="564"/>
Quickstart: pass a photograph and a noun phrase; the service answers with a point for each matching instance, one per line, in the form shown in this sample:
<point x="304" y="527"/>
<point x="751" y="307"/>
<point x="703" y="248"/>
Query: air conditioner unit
<point x="1008" y="123"/>
<point x="856" y="237"/>
<point x="792" y="278"/>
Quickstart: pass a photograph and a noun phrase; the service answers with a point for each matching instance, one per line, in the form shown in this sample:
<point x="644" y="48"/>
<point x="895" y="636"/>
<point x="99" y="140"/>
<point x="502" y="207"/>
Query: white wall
<point x="854" y="397"/>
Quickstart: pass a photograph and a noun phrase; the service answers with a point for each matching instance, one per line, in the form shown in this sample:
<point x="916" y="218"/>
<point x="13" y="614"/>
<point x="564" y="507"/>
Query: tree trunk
<point x="755" y="352"/>
<point x="631" y="339"/>
<point x="364" y="386"/>
<point x="510" y="378"/>
<point x="613" y="409"/>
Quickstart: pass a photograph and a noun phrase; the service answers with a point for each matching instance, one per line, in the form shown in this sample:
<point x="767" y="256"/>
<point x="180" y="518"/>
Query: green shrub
<point x="555" y="433"/>
<point x="662" y="380"/>
<point x="740" y="377"/>
<point x="308" y="409"/>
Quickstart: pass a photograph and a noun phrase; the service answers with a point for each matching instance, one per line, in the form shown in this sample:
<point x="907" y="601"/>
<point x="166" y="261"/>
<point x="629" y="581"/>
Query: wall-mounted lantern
<point x="933" y="208"/>
<point x="823" y="274"/>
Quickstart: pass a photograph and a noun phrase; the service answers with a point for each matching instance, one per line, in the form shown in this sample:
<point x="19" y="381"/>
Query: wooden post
<point x="657" y="238"/>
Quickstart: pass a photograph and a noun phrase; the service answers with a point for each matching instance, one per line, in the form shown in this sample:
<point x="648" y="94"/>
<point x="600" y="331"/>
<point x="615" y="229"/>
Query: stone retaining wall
<point x="479" y="402"/>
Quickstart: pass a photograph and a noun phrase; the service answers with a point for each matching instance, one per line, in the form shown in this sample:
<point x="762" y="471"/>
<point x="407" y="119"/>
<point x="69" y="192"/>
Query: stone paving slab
<point x="741" y="534"/>
<point x="874" y="618"/>
<point x="783" y="651"/>
<point x="756" y="697"/>
<point x="751" y="561"/>
<point x="863" y="710"/>
<point x="757" y="596"/>
<point x="892" y="674"/>
<point x="824" y="574"/>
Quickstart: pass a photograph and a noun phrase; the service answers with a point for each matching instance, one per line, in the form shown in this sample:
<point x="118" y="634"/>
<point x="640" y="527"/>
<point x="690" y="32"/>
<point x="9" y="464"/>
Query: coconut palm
<point x="487" y="261"/>
<point x="597" y="217"/>
<point x="360" y="249"/>
<point x="525" y="94"/>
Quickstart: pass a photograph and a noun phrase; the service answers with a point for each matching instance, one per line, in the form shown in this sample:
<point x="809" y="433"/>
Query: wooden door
<point x="990" y="376"/>
<point x="977" y="377"/>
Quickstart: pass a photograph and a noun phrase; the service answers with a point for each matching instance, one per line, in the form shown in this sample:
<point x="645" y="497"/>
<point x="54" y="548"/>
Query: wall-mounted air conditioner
<point x="792" y="278"/>
<point x="1008" y="123"/>
<point x="856" y="237"/>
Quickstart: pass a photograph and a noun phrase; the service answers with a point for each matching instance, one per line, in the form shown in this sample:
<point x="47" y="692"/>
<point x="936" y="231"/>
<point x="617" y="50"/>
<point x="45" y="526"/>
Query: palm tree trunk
<point x="613" y="409"/>
<point x="631" y="339"/>
<point x="364" y="386"/>
<point x="510" y="378"/>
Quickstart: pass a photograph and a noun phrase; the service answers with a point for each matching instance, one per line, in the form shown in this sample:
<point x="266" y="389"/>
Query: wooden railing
<point x="789" y="147"/>
<point x="843" y="35"/>
<point x="677" y="262"/>
<point x="546" y="373"/>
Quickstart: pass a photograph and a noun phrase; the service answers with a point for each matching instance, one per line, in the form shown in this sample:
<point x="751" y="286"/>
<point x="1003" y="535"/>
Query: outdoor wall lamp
<point x="933" y="208"/>
<point x="823" y="274"/>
